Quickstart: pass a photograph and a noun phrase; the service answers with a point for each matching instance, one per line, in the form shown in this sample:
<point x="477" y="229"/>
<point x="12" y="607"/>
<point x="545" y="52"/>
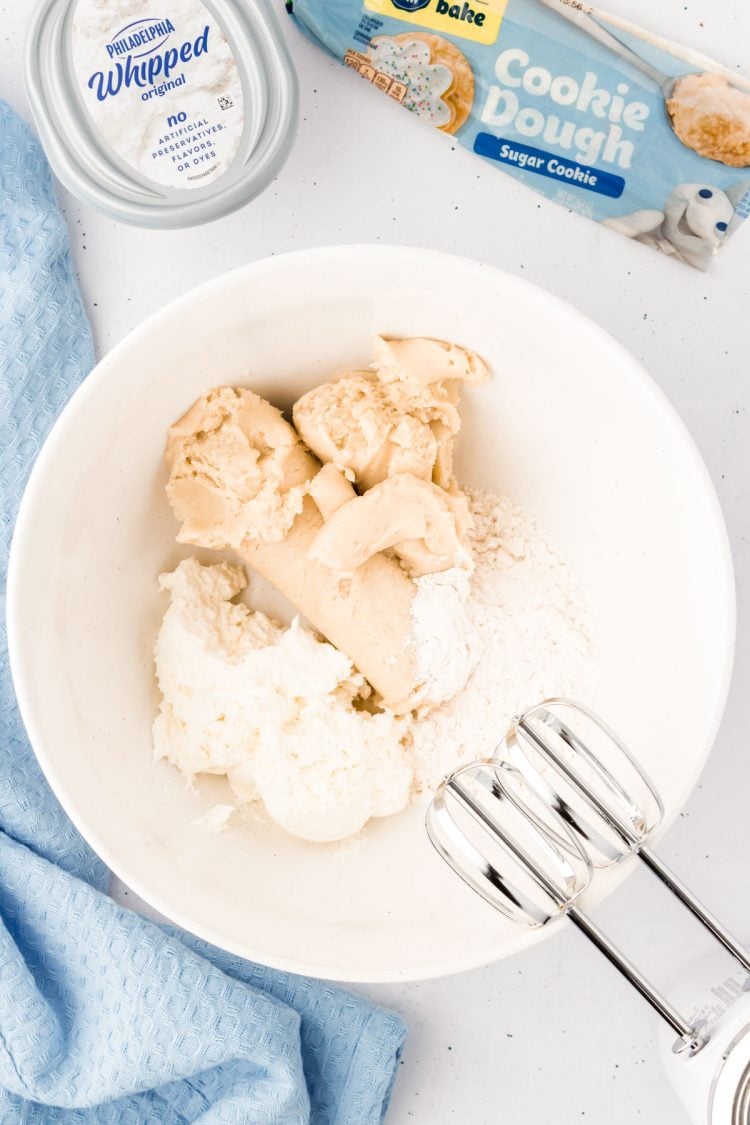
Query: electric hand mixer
<point x="527" y="832"/>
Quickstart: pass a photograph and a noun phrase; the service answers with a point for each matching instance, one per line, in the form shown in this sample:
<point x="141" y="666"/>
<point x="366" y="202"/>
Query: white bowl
<point x="571" y="426"/>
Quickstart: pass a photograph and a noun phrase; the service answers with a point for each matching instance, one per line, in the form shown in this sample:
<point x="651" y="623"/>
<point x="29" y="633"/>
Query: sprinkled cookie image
<point x="438" y="79"/>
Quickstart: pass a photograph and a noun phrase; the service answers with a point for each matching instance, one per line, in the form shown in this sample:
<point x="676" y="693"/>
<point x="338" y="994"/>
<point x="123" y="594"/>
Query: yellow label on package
<point x="478" y="20"/>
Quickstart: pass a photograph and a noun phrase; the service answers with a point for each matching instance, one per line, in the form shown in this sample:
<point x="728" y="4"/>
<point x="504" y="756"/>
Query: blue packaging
<point x="650" y="139"/>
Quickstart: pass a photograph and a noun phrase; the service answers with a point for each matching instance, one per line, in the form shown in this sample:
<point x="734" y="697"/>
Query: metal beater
<point x="527" y="828"/>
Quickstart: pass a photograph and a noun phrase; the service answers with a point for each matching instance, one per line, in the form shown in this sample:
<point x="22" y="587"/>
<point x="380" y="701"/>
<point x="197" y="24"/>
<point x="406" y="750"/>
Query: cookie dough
<point x="237" y="470"/>
<point x="401" y="418"/>
<point x="425" y="527"/>
<point x="353" y="424"/>
<point x="240" y="477"/>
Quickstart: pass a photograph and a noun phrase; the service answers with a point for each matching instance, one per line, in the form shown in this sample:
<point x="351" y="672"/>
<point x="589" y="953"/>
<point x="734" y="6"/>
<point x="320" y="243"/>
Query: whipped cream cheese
<point x="162" y="85"/>
<point x="163" y="113"/>
<point x="281" y="713"/>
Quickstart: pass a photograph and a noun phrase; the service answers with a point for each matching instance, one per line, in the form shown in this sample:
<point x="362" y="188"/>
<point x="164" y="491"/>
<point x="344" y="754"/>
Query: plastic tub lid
<point x="161" y="114"/>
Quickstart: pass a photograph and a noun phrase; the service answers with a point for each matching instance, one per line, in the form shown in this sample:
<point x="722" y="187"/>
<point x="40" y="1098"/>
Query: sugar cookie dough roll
<point x="241" y="478"/>
<point x="401" y="417"/>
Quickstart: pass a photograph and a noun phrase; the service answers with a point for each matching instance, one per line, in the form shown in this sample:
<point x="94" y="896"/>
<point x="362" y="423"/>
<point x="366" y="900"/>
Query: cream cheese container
<point x="161" y="113"/>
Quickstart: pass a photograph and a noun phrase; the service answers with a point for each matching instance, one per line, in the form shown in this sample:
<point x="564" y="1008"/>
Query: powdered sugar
<point x="444" y="637"/>
<point x="531" y="639"/>
<point x="216" y="819"/>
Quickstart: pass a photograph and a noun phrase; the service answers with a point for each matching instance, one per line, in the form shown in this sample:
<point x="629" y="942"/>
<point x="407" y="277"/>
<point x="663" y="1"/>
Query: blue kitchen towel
<point x="104" y="1016"/>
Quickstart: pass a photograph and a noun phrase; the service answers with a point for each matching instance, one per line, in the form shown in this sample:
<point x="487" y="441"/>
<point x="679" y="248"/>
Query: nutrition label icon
<point x="363" y="65"/>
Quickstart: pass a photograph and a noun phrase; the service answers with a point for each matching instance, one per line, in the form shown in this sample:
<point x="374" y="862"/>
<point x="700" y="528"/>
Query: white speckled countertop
<point x="551" y="1035"/>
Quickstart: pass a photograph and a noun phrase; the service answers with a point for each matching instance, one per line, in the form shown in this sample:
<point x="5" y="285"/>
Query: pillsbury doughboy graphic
<point x="691" y="227"/>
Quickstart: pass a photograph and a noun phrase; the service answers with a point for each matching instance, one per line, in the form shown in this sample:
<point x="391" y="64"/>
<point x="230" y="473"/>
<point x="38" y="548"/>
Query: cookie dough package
<point x="650" y="139"/>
